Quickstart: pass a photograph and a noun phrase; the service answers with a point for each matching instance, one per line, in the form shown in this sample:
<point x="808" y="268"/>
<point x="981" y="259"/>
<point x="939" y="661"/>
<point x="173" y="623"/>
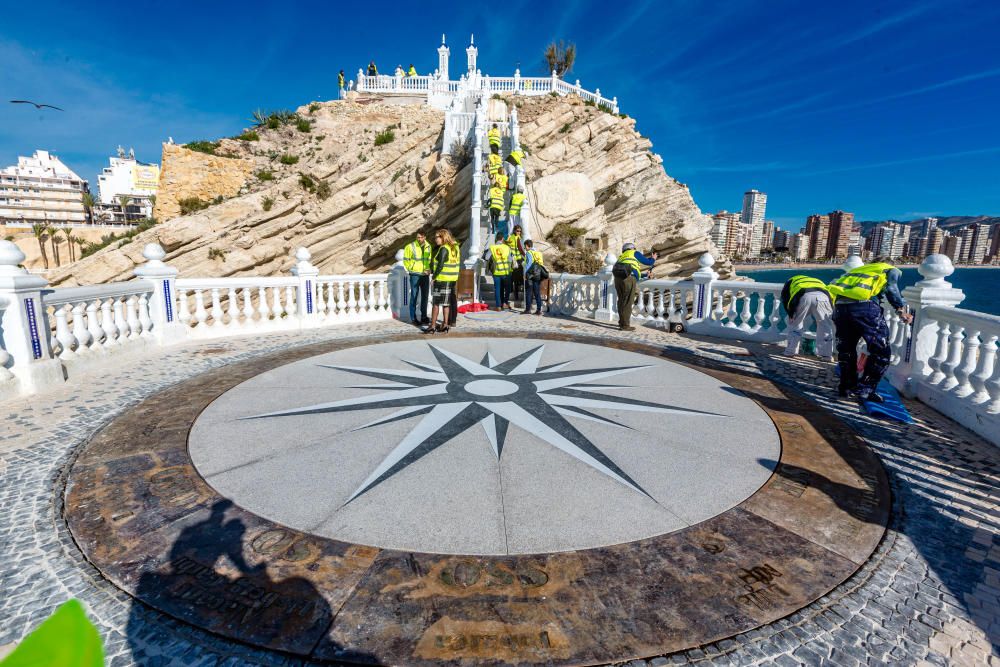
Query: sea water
<point x="981" y="286"/>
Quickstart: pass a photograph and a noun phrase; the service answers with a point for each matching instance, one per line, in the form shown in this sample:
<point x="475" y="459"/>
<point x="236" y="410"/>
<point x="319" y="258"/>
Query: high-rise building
<point x="927" y="226"/>
<point x="42" y="190"/>
<point x="952" y="247"/>
<point x="126" y="181"/>
<point x="798" y="247"/>
<point x="767" y="236"/>
<point x="994" y="253"/>
<point x="980" y="243"/>
<point x="725" y="232"/>
<point x="967" y="233"/>
<point x="934" y="241"/>
<point x="880" y="239"/>
<point x="839" y="239"/>
<point x="780" y="240"/>
<point x="754" y="205"/>
<point x="818" y="231"/>
<point x="854" y="241"/>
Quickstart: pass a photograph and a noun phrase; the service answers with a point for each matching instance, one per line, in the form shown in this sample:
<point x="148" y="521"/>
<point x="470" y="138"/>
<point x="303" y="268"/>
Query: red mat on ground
<point x="473" y="308"/>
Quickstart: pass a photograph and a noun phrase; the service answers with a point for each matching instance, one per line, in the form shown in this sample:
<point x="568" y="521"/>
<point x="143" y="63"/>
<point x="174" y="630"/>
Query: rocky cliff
<point x="187" y="174"/>
<point x="326" y="185"/>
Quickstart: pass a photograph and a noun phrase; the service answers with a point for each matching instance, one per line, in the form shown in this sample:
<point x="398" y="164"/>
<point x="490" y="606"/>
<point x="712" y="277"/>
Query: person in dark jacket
<point x="627" y="273"/>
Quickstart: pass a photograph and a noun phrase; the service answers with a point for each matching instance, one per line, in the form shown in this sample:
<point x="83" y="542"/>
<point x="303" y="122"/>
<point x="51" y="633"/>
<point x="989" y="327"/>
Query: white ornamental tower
<point x="471" y="53"/>
<point x="443" y="53"/>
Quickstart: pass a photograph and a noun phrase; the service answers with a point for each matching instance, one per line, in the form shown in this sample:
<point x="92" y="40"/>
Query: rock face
<point x="635" y="199"/>
<point x="186" y="173"/>
<point x="584" y="166"/>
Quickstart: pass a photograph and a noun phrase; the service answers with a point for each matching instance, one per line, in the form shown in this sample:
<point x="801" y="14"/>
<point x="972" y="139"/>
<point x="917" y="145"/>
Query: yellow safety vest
<point x="514" y="242"/>
<point x="416" y="256"/>
<point x="500" y="180"/>
<point x="449" y="273"/>
<point x="496" y="198"/>
<point x="411" y="72"/>
<point x="340" y="80"/>
<point x="799" y="283"/>
<point x="501" y="260"/>
<point x="517" y="156"/>
<point x="494" y="163"/>
<point x="494" y="136"/>
<point x="537" y="257"/>
<point x="516" y="202"/>
<point x="862" y="283"/>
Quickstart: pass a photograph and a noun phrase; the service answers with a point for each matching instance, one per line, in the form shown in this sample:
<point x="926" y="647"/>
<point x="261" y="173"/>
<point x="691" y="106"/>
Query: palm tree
<point x="68" y="234"/>
<point x="88" y="204"/>
<point x="79" y="241"/>
<point x="39" y="231"/>
<point x="54" y="240"/>
<point x="560" y="57"/>
<point x="125" y="201"/>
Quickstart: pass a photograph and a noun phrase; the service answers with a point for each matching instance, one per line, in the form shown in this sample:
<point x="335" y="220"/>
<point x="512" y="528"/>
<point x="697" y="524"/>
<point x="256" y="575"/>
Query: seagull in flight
<point x="37" y="105"/>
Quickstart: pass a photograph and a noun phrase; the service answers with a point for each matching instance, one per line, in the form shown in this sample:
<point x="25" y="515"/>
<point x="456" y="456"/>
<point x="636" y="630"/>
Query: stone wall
<point x="186" y="173"/>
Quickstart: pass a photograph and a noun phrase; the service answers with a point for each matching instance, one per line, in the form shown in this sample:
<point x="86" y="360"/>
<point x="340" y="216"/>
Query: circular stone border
<point x="145" y="518"/>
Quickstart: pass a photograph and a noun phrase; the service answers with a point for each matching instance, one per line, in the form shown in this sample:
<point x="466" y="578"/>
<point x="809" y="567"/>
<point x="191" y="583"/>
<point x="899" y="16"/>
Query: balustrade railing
<point x="98" y="319"/>
<point x="214" y="305"/>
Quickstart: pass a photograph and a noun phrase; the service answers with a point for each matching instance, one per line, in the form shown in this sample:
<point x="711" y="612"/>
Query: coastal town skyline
<point x="847" y="123"/>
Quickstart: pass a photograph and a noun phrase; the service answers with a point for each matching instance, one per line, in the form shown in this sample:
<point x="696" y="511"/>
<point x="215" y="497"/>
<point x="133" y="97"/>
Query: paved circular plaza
<point x="485" y="446"/>
<point x="543" y="499"/>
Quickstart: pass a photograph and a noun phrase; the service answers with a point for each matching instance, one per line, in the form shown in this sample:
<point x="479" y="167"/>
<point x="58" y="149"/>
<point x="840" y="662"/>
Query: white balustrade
<point x="88" y="320"/>
<point x="222" y="305"/>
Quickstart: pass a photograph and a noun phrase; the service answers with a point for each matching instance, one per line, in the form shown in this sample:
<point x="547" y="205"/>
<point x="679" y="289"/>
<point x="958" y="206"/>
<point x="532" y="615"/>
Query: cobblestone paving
<point x="930" y="594"/>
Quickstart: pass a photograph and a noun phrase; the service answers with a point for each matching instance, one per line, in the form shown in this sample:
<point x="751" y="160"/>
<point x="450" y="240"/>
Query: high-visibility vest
<point x="862" y="283"/>
<point x="412" y="71"/>
<point x="800" y="284"/>
<point x="496" y="198"/>
<point x="340" y="80"/>
<point x="516" y="202"/>
<point x="514" y="242"/>
<point x="449" y="272"/>
<point x="537" y="257"/>
<point x="628" y="259"/>
<point x="494" y="161"/>
<point x="501" y="259"/>
<point x="372" y="70"/>
<point x="517" y="156"/>
<point x="500" y="180"/>
<point x="416" y="256"/>
<point x="494" y="136"/>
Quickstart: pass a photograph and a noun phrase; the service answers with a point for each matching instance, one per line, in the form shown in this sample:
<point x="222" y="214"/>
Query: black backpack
<point x="621" y="270"/>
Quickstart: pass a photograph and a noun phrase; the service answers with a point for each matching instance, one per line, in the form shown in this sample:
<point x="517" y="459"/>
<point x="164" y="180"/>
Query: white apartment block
<point x="725" y="232"/>
<point x="798" y="247"/>
<point x="128" y="178"/>
<point x="41" y="190"/>
<point x="754" y="205"/>
<point x="887" y="240"/>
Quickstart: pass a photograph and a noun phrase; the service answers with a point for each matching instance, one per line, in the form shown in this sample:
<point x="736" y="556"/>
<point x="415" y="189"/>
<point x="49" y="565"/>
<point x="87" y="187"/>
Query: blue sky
<point x="887" y="109"/>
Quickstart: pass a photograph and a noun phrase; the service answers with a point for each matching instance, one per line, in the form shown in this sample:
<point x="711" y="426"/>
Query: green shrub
<point x="323" y="190"/>
<point x="565" y="128"/>
<point x="497" y="96"/>
<point x="218" y="200"/>
<point x="588" y="103"/>
<point x="273" y="123"/>
<point x="319" y="137"/>
<point x="303" y="125"/>
<point x="577" y="260"/>
<point x="249" y="135"/>
<point x="623" y="115"/>
<point x="314" y="107"/>
<point x="385" y="137"/>
<point x="307" y="182"/>
<point x="108" y="239"/>
<point x="553" y="94"/>
<point x="215" y="253"/>
<point x="267" y="203"/>
<point x="399" y="172"/>
<point x="191" y="205"/>
<point x="264" y="175"/>
<point x="289" y="159"/>
<point x="362" y="157"/>
<point x="208" y="147"/>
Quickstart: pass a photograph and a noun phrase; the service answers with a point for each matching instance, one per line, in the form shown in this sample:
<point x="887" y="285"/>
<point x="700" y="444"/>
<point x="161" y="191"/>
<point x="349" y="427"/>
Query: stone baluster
<point x="262" y="309"/>
<point x="184" y="310"/>
<point x="758" y="316"/>
<point x="320" y="300"/>
<point x="63" y="335"/>
<point x="607" y="310"/>
<point x="277" y="307"/>
<point x="145" y="320"/>
<point x="352" y="301"/>
<point x="925" y="344"/>
<point x="306" y="274"/>
<point x="745" y="312"/>
<point x="984" y="371"/>
<point x="954" y="356"/>
<point x="383" y="298"/>
<point x="94" y="326"/>
<point x="970" y="358"/>
<point x="248" y="306"/>
<point x="80" y="332"/>
<point x="233" y="308"/>
<point x="108" y="324"/>
<point x="200" y="314"/>
<point x="132" y="317"/>
<point x="118" y="310"/>
<point x="161" y="302"/>
<point x="289" y="304"/>
<point x="217" y="312"/>
<point x="660" y="306"/>
<point x="341" y="300"/>
<point x="372" y="299"/>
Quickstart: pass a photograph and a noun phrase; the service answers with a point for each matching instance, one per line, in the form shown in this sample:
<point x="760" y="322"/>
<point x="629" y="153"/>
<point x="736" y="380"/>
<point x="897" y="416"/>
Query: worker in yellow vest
<point x="516" y="204"/>
<point x="412" y="71"/>
<point x="417" y="262"/>
<point x="859" y="315"/>
<point x="498" y="262"/>
<point x="534" y="274"/>
<point x="516" y="157"/>
<point x="807" y="297"/>
<point x="627" y="273"/>
<point x="496" y="204"/>
<point x="501" y="180"/>
<point x="493" y="135"/>
<point x="493" y="164"/>
<point x="444" y="270"/>
<point x="340" y="82"/>
<point x="517" y="262"/>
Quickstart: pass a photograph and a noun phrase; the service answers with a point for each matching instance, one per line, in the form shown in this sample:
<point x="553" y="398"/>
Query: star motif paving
<point x="459" y="393"/>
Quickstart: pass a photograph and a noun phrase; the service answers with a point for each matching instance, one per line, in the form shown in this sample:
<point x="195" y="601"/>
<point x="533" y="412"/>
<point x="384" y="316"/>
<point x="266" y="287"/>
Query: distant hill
<point x="945" y="221"/>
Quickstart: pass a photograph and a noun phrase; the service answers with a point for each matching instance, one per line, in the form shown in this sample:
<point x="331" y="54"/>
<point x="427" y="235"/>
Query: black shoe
<point x="874" y="397"/>
<point x="428" y="331"/>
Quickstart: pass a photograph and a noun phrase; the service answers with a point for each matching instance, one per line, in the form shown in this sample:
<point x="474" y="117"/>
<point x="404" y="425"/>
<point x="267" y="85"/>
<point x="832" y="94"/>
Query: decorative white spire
<point x="471" y="53"/>
<point x="443" y="54"/>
